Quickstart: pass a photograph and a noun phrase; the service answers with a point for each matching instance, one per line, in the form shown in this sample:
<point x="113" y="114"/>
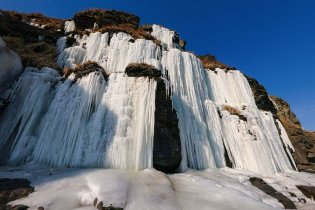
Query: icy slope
<point x="225" y="189"/>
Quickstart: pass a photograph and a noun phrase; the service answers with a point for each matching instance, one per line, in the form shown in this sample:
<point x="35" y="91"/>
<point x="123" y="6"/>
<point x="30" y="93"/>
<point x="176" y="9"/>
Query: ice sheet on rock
<point x="230" y="88"/>
<point x="69" y="26"/>
<point x="112" y="53"/>
<point x="254" y="143"/>
<point x="188" y="85"/>
<point x="61" y="44"/>
<point x="23" y="115"/>
<point x="165" y="35"/>
<point x="99" y="125"/>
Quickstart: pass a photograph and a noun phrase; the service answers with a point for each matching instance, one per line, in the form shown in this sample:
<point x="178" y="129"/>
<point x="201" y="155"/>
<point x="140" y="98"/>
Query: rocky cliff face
<point x="302" y="140"/>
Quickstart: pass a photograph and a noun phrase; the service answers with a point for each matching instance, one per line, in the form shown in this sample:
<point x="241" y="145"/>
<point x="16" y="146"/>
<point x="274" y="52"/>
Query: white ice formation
<point x="92" y="122"/>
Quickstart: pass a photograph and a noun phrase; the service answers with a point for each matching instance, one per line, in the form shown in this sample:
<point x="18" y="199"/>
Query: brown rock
<point x="210" y="62"/>
<point x="303" y="141"/>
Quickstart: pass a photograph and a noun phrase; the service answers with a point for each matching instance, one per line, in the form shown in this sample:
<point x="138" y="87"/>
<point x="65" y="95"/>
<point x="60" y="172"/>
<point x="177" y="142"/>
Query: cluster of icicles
<point x="95" y="122"/>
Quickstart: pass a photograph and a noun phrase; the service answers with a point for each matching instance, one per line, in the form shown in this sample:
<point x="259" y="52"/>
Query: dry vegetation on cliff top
<point x="210" y="62"/>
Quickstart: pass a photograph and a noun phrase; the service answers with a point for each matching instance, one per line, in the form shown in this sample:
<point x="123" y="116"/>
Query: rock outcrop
<point x="32" y="37"/>
<point x="13" y="189"/>
<point x="142" y="70"/>
<point x="210" y="62"/>
<point x="87" y="19"/>
<point x="85" y="69"/>
<point x="303" y="141"/>
<point x="261" y="96"/>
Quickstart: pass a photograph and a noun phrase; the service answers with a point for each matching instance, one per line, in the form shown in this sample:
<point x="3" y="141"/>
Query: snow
<point x="224" y="189"/>
<point x="69" y="26"/>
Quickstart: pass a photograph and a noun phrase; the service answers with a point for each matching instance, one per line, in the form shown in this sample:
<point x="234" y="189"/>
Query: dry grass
<point x="104" y="17"/>
<point x="234" y="111"/>
<point x="84" y="69"/>
<point x="52" y="24"/>
<point x="210" y="62"/>
<point x="38" y="54"/>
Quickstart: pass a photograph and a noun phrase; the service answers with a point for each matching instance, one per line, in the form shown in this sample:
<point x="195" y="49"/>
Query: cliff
<point x="156" y="126"/>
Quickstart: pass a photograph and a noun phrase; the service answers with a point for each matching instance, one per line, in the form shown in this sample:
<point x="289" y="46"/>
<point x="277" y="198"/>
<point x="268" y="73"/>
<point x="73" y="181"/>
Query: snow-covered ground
<point x="217" y="189"/>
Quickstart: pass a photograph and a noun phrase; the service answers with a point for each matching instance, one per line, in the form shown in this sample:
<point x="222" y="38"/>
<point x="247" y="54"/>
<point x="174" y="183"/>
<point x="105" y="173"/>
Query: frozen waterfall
<point x="94" y="122"/>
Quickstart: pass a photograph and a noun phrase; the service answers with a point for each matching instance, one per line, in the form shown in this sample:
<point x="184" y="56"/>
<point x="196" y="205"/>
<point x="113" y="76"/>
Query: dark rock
<point x="95" y="202"/>
<point x="40" y="208"/>
<point x="142" y="70"/>
<point x="19" y="207"/>
<point x="308" y="191"/>
<point x="262" y="185"/>
<point x="70" y="41"/>
<point x="111" y="207"/>
<point x="261" y="96"/>
<point x="24" y="38"/>
<point x="86" y="19"/>
<point x="147" y="28"/>
<point x="13" y="189"/>
<point x="167" y="145"/>
<point x="100" y="205"/>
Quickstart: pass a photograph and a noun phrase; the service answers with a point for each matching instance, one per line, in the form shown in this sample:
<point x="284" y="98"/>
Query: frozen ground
<point x="224" y="189"/>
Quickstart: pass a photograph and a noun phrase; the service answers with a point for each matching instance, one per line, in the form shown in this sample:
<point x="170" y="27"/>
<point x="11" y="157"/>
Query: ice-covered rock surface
<point x="97" y="123"/>
<point x="106" y="121"/>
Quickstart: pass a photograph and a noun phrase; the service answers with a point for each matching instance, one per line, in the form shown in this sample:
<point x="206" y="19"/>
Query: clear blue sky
<point x="270" y="40"/>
